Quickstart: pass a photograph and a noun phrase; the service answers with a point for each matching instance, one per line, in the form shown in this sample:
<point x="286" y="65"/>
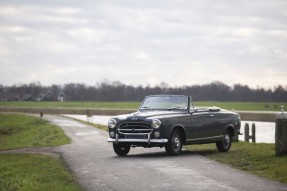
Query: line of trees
<point x="117" y="91"/>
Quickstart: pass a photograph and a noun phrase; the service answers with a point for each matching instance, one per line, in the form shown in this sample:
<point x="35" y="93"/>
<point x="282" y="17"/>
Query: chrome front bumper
<point x="138" y="140"/>
<point x="148" y="140"/>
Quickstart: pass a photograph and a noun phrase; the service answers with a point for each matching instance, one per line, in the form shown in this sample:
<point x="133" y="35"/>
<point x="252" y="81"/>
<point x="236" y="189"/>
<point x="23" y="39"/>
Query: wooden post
<point x="90" y="116"/>
<point x="246" y="132"/>
<point x="253" y="133"/>
<point x="41" y="114"/>
<point x="281" y="133"/>
<point x="247" y="136"/>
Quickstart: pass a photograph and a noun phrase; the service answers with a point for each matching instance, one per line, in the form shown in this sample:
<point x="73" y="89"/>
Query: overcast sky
<point x="180" y="42"/>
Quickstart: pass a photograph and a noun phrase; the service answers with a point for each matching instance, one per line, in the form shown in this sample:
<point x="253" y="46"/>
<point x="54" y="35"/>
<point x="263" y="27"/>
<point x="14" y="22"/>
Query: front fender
<point x="229" y="126"/>
<point x="181" y="129"/>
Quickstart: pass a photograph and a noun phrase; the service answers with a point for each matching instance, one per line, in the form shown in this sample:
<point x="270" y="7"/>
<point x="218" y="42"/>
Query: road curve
<point x="96" y="167"/>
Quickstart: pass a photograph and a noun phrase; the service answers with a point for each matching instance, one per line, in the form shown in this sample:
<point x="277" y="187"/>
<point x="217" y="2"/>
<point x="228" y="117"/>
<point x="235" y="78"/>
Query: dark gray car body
<point x="197" y="126"/>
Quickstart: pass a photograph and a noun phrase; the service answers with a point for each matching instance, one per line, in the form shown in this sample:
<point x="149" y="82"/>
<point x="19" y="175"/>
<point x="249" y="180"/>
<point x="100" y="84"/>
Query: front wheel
<point x="121" y="149"/>
<point x="225" y="144"/>
<point x="174" y="145"/>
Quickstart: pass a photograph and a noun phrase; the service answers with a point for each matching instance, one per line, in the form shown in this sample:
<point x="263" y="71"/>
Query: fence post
<point x="90" y="116"/>
<point x="247" y="136"/>
<point x="253" y="133"/>
<point x="246" y="132"/>
<point x="281" y="133"/>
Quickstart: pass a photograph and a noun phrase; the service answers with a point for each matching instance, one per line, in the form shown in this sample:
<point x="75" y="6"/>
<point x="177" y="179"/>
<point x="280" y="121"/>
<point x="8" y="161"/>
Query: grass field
<point x="18" y="131"/>
<point x="257" y="159"/>
<point x="242" y="106"/>
<point x="29" y="172"/>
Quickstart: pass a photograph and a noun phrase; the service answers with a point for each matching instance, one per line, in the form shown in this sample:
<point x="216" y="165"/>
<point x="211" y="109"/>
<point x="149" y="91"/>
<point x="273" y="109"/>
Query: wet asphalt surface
<point x="96" y="167"/>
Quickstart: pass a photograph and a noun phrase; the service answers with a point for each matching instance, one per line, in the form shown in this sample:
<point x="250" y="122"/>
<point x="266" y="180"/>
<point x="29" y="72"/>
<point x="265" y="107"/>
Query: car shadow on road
<point x="184" y="153"/>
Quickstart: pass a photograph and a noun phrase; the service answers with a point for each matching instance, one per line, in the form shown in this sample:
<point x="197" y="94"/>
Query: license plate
<point x="135" y="136"/>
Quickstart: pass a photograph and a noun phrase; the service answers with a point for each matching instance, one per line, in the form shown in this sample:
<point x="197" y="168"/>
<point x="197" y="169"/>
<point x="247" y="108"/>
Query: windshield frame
<point x="188" y="99"/>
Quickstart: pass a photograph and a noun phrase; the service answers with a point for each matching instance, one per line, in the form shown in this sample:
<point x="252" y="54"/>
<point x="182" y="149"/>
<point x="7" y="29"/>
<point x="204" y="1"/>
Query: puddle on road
<point x="68" y="123"/>
<point x="87" y="133"/>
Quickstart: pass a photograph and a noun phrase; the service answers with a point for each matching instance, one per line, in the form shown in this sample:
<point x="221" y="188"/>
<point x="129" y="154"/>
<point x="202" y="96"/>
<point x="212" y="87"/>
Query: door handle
<point x="211" y="115"/>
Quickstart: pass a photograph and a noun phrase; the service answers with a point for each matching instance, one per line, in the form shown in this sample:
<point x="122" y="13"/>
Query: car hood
<point x="150" y="115"/>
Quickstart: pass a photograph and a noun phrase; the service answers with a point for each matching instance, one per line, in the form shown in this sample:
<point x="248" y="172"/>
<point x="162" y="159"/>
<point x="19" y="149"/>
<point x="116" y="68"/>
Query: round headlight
<point x="112" y="123"/>
<point x="156" y="123"/>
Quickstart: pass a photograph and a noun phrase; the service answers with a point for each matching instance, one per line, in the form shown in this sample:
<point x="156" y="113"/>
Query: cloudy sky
<point x="180" y="42"/>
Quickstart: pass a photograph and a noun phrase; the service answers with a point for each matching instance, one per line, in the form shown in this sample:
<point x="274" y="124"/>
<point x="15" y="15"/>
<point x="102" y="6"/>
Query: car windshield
<point x="164" y="103"/>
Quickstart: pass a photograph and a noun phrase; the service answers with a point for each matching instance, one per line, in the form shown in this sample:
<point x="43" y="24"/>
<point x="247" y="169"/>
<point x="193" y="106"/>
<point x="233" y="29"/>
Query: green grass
<point x="31" y="172"/>
<point x="248" y="106"/>
<point x="19" y="131"/>
<point x="257" y="158"/>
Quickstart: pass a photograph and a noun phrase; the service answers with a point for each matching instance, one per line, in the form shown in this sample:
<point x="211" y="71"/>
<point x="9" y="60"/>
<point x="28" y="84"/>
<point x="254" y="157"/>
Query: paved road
<point x="96" y="166"/>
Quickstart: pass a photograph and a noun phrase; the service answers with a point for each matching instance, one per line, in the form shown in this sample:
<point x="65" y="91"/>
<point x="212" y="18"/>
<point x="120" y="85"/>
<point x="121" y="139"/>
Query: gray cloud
<point x="144" y="42"/>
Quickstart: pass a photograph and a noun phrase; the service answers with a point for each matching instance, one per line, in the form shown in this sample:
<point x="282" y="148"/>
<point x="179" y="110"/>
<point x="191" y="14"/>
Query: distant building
<point x="61" y="96"/>
<point x="45" y="96"/>
<point x="27" y="97"/>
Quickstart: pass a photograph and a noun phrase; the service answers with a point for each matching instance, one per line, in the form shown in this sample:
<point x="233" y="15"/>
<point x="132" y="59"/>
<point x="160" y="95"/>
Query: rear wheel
<point x="225" y="144"/>
<point x="121" y="149"/>
<point x="174" y="145"/>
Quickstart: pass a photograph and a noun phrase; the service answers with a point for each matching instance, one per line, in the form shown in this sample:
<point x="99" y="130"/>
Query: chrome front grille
<point x="135" y="128"/>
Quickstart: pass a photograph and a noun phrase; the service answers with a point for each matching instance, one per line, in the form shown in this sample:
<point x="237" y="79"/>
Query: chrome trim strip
<point x="221" y="136"/>
<point x="138" y="140"/>
<point x="135" y="125"/>
<point x="135" y="129"/>
<point x="135" y="133"/>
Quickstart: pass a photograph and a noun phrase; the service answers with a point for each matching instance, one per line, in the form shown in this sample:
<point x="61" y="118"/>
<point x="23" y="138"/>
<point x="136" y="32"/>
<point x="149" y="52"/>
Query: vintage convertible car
<point x="171" y="121"/>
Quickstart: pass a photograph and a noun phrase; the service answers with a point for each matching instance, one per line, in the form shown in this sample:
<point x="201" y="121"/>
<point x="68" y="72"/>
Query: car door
<point x="202" y="123"/>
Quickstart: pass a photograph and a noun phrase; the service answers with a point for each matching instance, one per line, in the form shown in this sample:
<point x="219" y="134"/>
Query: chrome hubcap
<point x="176" y="143"/>
<point x="226" y="141"/>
